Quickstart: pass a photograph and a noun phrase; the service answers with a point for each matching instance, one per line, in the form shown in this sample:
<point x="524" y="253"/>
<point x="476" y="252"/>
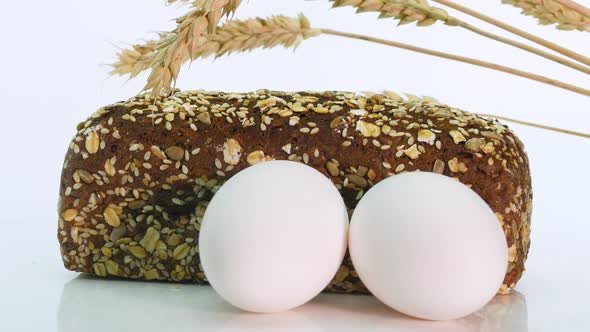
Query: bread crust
<point x="138" y="175"/>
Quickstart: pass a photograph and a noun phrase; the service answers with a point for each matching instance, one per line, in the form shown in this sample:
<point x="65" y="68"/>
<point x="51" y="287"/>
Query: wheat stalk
<point x="166" y="55"/>
<point x="241" y="36"/>
<point x="521" y="33"/>
<point x="536" y="125"/>
<point x="421" y="12"/>
<point x="472" y="61"/>
<point x="235" y="36"/>
<point x="413" y="98"/>
<point x="551" y="12"/>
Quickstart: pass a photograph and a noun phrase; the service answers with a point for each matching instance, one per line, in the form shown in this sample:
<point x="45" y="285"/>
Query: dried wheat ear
<point x="550" y="12"/>
<point x="166" y="56"/>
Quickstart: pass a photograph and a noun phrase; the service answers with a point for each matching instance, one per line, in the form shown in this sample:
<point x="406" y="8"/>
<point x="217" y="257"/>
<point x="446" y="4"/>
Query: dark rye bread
<point x="138" y="174"/>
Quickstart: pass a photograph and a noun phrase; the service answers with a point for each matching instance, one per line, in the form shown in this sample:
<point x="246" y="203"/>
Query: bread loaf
<point x="138" y="175"/>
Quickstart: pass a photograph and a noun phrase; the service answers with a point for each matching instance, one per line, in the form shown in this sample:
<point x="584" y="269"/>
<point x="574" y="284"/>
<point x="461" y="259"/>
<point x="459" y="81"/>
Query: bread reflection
<point x="89" y="304"/>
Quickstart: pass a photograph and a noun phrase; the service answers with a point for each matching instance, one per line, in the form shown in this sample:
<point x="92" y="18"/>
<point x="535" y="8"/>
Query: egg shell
<point x="273" y="236"/>
<point x="428" y="246"/>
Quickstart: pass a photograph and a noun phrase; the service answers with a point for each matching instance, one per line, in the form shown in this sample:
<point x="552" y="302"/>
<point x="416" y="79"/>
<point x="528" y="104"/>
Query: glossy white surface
<point x="38" y="294"/>
<point x="52" y="78"/>
<point x="189" y="308"/>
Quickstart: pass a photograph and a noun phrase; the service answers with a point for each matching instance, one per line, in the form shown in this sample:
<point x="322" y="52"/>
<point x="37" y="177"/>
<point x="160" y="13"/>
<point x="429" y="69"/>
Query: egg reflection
<point x="89" y="304"/>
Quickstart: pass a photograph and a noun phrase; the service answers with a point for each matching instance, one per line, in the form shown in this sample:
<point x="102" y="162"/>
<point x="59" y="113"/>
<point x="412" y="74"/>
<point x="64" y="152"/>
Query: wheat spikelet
<point x="134" y="60"/>
<point x="550" y="12"/>
<point x="171" y="50"/>
<point x="165" y="56"/>
<point x="406" y="11"/>
<point x="243" y="36"/>
<point x="213" y="10"/>
<point x="139" y="58"/>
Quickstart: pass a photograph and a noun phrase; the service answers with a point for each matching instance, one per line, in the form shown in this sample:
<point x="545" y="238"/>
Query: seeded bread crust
<point x="139" y="174"/>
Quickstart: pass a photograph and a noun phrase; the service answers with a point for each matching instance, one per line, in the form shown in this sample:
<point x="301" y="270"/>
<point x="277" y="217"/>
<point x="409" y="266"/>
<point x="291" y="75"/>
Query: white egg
<point x="273" y="236"/>
<point x="428" y="246"/>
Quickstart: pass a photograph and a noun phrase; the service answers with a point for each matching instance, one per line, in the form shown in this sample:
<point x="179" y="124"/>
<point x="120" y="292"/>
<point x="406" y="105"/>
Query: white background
<point x="53" y="74"/>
